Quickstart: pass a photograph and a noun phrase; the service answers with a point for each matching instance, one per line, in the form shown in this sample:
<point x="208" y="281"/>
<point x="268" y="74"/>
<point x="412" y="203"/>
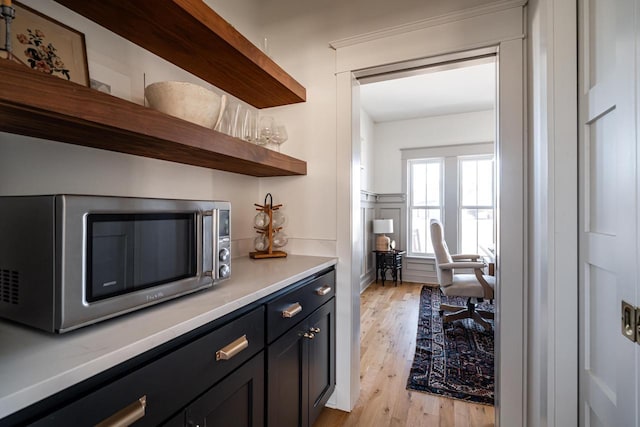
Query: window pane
<point x="476" y="227"/>
<point x="476" y="182"/>
<point x="485" y="182"/>
<point x="433" y="183"/>
<point x="420" y="235"/>
<point x="419" y="184"/>
<point x="468" y="170"/>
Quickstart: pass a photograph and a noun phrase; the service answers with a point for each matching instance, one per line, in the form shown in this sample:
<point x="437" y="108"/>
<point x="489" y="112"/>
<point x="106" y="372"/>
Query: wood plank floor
<point x="389" y="318"/>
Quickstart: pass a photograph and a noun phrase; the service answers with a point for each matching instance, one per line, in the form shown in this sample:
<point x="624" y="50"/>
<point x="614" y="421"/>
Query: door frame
<point x="553" y="286"/>
<point x="499" y="25"/>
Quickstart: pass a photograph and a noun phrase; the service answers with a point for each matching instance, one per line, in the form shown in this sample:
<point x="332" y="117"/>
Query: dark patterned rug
<point x="455" y="361"/>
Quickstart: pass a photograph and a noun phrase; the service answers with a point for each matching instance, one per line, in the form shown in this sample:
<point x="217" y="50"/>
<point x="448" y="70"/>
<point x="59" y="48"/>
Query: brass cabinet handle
<point x="323" y="290"/>
<point x="230" y="350"/>
<point x="126" y="416"/>
<point x="292" y="310"/>
<point x="309" y="335"/>
<point x="314" y="330"/>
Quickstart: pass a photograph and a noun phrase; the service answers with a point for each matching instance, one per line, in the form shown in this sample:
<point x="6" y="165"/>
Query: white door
<point x="608" y="212"/>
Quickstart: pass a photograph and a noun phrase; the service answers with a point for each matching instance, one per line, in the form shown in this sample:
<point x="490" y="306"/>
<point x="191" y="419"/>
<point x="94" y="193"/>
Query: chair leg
<point x="462" y="314"/>
<point x="476" y="316"/>
<point x="485" y="314"/>
<point x="448" y="307"/>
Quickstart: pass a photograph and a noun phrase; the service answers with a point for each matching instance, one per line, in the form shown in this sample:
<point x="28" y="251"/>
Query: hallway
<point x="388" y="331"/>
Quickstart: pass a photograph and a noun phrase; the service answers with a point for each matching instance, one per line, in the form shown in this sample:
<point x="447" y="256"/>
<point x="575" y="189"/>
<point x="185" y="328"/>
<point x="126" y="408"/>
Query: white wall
<point x="367" y="154"/>
<point x="451" y="129"/>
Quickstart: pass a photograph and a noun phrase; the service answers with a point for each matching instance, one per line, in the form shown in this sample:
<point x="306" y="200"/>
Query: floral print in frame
<point x="48" y="46"/>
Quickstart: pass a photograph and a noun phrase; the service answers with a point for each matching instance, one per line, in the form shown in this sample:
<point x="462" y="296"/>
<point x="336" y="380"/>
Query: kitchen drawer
<point x="288" y="309"/>
<point x="170" y="382"/>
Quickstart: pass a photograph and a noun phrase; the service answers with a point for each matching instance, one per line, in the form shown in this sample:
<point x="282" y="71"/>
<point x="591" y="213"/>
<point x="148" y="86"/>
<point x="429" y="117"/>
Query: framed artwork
<point x="47" y="45"/>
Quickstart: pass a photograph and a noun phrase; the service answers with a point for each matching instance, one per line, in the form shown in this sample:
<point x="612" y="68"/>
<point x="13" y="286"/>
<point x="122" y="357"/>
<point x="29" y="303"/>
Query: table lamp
<point x="380" y="227"/>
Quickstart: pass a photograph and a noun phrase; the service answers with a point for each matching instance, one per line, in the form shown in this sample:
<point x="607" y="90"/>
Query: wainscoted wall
<point x="389" y="206"/>
<point x="368" y="261"/>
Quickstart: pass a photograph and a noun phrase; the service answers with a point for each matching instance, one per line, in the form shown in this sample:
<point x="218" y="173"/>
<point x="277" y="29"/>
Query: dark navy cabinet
<point x="301" y="361"/>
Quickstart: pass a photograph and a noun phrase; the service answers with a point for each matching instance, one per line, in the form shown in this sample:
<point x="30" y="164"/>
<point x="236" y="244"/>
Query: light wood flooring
<point x="389" y="318"/>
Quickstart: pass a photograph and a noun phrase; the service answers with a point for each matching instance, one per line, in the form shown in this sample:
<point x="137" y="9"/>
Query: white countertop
<point x="35" y="365"/>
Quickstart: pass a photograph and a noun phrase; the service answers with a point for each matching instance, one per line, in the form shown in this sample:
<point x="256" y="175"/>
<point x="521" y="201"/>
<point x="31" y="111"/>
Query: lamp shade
<point x="381" y="226"/>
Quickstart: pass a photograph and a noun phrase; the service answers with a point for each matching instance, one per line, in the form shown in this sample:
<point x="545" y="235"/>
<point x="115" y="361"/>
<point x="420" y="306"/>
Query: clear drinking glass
<point x="260" y="243"/>
<point x="265" y="130"/>
<point x="261" y="220"/>
<point x="236" y="121"/>
<point x="280" y="239"/>
<point x="278" y="219"/>
<point x="279" y="134"/>
<point x="249" y="126"/>
<point x="225" y="122"/>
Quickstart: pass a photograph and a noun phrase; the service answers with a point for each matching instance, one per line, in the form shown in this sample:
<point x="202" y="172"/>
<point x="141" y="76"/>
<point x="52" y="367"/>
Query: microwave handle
<point x="214" y="233"/>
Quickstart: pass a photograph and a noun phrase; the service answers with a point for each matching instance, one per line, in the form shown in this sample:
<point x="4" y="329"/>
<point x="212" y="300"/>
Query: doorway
<point x="501" y="31"/>
<point x="428" y="151"/>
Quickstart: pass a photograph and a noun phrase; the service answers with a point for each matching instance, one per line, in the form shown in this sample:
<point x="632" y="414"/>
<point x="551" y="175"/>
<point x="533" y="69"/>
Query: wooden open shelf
<point x="44" y="106"/>
<point x="190" y="35"/>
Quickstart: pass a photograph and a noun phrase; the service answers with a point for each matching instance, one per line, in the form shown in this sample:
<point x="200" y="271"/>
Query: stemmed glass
<point x="279" y="134"/>
<point x="265" y="130"/>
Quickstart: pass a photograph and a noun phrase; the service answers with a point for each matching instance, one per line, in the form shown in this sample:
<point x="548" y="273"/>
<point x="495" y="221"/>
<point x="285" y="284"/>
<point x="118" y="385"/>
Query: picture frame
<point x="46" y="45"/>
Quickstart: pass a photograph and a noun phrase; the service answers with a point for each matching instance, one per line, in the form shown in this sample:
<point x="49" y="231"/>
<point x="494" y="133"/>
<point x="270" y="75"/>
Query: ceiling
<point x="434" y="91"/>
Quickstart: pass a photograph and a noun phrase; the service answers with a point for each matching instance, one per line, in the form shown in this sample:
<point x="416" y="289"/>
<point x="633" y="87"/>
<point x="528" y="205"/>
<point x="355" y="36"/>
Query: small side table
<point x="389" y="260"/>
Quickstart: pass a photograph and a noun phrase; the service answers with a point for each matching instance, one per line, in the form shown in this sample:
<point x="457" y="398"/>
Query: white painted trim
<point x="489" y="30"/>
<point x="427" y="65"/>
<point x="429" y="22"/>
<point x="367" y="196"/>
<point x="554" y="234"/>
<point x="447" y="151"/>
<point x="391" y="198"/>
<point x="564" y="252"/>
<point x="348" y="244"/>
<point x="511" y="247"/>
<point x="505" y="29"/>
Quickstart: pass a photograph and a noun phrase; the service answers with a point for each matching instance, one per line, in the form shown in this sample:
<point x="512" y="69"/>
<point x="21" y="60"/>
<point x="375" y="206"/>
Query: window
<point x="425" y="202"/>
<point x="454" y="184"/>
<point x="476" y="204"/>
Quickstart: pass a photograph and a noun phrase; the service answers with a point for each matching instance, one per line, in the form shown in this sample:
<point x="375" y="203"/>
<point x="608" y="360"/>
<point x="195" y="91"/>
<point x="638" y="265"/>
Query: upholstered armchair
<point x="475" y="287"/>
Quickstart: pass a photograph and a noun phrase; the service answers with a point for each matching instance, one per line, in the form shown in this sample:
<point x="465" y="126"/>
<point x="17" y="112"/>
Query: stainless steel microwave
<point x="68" y="261"/>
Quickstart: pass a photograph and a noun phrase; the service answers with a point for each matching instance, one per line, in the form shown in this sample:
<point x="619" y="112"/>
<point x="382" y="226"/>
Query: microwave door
<point x="129" y="252"/>
<point x="111" y="256"/>
<point x="165" y="248"/>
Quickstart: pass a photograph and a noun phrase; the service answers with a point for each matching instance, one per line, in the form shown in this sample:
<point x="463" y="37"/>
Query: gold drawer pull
<point x="232" y="349"/>
<point x="126" y="416"/>
<point x="323" y="290"/>
<point x="292" y="310"/>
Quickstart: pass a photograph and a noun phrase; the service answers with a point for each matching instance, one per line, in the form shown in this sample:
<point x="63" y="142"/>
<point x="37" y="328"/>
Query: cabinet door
<point x="287" y="380"/>
<point x="301" y="370"/>
<point x="322" y="358"/>
<point x="236" y="401"/>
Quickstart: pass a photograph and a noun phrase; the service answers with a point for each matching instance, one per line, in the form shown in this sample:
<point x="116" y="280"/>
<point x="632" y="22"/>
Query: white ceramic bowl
<point x="186" y="101"/>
